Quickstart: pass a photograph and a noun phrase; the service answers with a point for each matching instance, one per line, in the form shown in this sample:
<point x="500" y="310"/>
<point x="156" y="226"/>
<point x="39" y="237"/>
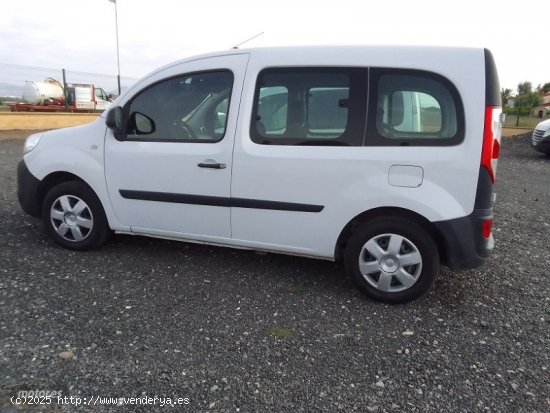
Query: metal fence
<point x="13" y="77"/>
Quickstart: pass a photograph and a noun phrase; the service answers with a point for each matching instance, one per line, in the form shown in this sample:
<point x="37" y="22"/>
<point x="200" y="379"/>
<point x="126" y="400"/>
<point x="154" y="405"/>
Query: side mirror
<point x="115" y="122"/>
<point x="144" y="125"/>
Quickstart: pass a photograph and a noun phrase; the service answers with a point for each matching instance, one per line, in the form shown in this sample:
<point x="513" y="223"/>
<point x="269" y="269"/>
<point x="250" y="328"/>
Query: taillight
<point x="486" y="228"/>
<point x="491" y="140"/>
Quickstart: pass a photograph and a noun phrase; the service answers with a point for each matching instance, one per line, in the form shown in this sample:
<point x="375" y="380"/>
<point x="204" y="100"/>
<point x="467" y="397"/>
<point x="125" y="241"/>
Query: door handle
<point x="212" y="165"/>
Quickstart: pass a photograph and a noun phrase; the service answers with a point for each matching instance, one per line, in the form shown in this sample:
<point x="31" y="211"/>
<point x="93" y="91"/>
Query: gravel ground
<point x="236" y="331"/>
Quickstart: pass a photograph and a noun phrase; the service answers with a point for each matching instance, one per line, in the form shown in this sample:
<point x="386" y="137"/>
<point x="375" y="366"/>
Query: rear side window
<point x="413" y="108"/>
<point x="310" y="106"/>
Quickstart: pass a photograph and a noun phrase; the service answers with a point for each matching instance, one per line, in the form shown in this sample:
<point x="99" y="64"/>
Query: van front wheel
<point x="74" y="216"/>
<point x="392" y="259"/>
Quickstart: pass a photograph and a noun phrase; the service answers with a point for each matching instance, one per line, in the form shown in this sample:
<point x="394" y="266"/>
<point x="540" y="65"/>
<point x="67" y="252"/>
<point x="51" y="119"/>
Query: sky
<point x="80" y="34"/>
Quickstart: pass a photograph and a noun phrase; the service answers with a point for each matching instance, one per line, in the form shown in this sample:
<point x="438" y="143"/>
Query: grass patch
<point x="524" y="121"/>
<point x="279" y="332"/>
<point x="300" y="288"/>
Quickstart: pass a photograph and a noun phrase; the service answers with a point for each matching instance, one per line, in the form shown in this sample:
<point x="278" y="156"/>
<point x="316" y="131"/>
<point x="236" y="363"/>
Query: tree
<point x="525" y="88"/>
<point x="526" y="100"/>
<point x="505" y="94"/>
<point x="543" y="88"/>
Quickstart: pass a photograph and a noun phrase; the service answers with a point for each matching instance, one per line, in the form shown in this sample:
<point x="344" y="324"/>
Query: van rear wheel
<point x="74" y="217"/>
<point x="392" y="259"/>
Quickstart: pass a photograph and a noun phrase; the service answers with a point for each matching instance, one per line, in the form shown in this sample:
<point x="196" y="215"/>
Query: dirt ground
<point x="231" y="330"/>
<point x="510" y="132"/>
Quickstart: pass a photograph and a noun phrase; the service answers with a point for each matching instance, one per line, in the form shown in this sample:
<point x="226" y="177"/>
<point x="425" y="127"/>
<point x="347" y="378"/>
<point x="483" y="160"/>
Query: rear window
<point x="413" y="108"/>
<point x="310" y="106"/>
<point x="355" y="107"/>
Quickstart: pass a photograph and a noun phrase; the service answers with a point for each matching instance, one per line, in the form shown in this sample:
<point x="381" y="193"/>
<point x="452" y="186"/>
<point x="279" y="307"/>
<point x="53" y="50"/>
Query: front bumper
<point x="540" y="143"/>
<point x="28" y="190"/>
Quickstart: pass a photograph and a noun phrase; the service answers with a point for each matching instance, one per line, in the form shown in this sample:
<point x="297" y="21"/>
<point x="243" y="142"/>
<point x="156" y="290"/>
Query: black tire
<point x="74" y="217"/>
<point x="390" y="276"/>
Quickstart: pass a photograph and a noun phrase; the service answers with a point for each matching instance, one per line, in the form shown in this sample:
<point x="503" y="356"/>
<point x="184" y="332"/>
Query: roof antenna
<point x="247" y="40"/>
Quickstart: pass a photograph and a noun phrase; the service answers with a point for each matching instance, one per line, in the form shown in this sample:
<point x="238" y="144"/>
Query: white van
<point x="540" y="139"/>
<point x="384" y="157"/>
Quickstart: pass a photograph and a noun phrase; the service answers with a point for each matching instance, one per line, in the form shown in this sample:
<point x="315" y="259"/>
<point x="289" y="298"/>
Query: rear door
<point x="299" y="152"/>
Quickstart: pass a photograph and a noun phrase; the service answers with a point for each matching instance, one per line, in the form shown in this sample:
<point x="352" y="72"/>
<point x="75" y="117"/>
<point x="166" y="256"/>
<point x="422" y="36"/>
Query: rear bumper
<point x="465" y="245"/>
<point x="27" y="190"/>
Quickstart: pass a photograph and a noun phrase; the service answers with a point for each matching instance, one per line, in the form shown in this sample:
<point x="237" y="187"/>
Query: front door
<point x="170" y="174"/>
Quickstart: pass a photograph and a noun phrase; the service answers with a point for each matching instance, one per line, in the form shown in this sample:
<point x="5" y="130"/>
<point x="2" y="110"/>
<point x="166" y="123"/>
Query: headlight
<point x="31" y="142"/>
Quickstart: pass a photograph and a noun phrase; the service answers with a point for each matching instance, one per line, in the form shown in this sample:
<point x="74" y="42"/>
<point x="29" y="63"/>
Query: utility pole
<point x="117" y="49"/>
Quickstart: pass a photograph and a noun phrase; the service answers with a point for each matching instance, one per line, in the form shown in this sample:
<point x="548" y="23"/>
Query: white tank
<point x="36" y="93"/>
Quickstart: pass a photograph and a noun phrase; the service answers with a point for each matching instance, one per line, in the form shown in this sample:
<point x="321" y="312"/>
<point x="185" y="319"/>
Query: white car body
<point x="540" y="139"/>
<point x="436" y="183"/>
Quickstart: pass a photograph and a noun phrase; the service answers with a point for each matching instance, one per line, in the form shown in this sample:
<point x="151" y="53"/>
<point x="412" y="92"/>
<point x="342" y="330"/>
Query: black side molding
<point x="218" y="201"/>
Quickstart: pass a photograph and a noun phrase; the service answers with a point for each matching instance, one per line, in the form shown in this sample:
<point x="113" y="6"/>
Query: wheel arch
<point x="54" y="179"/>
<point x="66" y="185"/>
<point x="365" y="216"/>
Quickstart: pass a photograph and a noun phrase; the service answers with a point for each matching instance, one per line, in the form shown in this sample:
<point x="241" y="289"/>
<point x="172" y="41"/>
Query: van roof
<point x="282" y="50"/>
<point x="444" y="60"/>
<point x="338" y="54"/>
